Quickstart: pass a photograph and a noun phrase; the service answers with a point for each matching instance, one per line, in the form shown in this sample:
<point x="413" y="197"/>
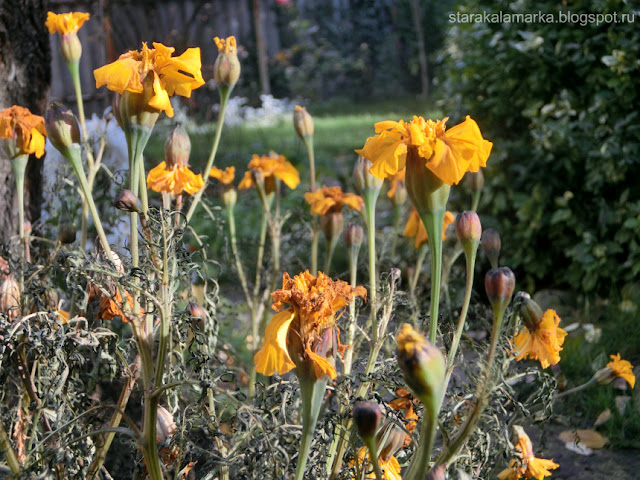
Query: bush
<point x="558" y="100"/>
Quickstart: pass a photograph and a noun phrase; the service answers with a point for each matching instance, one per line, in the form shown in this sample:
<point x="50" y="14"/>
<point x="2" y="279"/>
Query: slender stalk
<point x="149" y="444"/>
<point x="351" y="330"/>
<point x="314" y="247"/>
<point x="331" y="246"/>
<point x="9" y="453"/>
<point x="475" y="200"/>
<point x="224" y="98"/>
<point x="422" y="253"/>
<point x="397" y="217"/>
<point x="312" y="392"/>
<point x="373" y="456"/>
<point x="579" y="388"/>
<point x="370" y="199"/>
<point x="261" y="243"/>
<point x="433" y="224"/>
<point x="19" y="166"/>
<point x="308" y="143"/>
<point x="75" y="76"/>
<point x="419" y="466"/>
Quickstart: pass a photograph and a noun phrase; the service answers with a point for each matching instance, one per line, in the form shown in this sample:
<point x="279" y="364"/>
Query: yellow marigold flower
<point x="305" y="335"/>
<point x="395" y="179"/>
<point x="415" y="227"/>
<point x="225" y="176"/>
<point x="526" y="465"/>
<point x="271" y="166"/>
<point x="25" y="131"/>
<point x="155" y="70"/>
<point x="174" y="179"/>
<point x="226" y="45"/>
<point x="622" y="368"/>
<point x="390" y="467"/>
<point x="448" y="154"/>
<point x="65" y="23"/>
<point x="331" y="199"/>
<point x="542" y="341"/>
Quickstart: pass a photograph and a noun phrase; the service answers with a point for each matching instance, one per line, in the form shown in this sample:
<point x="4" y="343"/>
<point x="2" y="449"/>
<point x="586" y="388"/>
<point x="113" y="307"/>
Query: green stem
<point x="475" y="200"/>
<point x="314" y="247"/>
<point x="373" y="456"/>
<point x="312" y="392"/>
<point x="9" y="453"/>
<point x="351" y="330"/>
<point x="19" y="166"/>
<point x="420" y="463"/>
<point x="331" y="246"/>
<point x="261" y="243"/>
<point x="433" y="221"/>
<point x="75" y="76"/>
<point x="422" y="253"/>
<point x="149" y="443"/>
<point x="224" y="98"/>
<point x="370" y="199"/>
<point x="579" y="388"/>
<point x="397" y="217"/>
<point x="308" y="143"/>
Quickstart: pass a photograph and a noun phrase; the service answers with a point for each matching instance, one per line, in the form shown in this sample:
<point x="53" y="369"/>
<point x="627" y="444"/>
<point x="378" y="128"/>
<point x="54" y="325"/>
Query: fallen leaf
<point x="602" y="418"/>
<point x="587" y="438"/>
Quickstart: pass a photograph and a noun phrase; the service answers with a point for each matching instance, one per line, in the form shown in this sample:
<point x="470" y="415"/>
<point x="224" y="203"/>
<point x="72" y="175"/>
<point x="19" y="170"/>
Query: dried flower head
<point x="23" y="131"/>
<point x="541" y="340"/>
<point x="331" y="199"/>
<point x="526" y="465"/>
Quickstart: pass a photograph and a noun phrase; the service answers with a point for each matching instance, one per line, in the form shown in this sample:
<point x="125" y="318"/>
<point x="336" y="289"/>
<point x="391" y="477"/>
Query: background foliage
<point x="558" y="100"/>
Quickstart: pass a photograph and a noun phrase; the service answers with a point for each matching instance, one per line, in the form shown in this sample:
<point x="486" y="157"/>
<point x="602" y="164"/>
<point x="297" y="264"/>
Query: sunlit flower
<point x="65" y="23"/>
<point x="225" y="176"/>
<point x="415" y="227"/>
<point x="331" y="199"/>
<point x="526" y="465"/>
<point x="112" y="307"/>
<point x="448" y="154"/>
<point x="226" y="69"/>
<point x="390" y="467"/>
<point x="622" y="368"/>
<point x="25" y="132"/>
<point x="156" y="71"/>
<point x="271" y="166"/>
<point x="174" y="179"/>
<point x="305" y="334"/>
<point x="542" y="341"/>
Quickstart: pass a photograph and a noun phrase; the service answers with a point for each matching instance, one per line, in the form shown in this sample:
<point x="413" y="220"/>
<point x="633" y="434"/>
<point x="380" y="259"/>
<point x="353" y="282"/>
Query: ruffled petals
<point x="273" y="357"/>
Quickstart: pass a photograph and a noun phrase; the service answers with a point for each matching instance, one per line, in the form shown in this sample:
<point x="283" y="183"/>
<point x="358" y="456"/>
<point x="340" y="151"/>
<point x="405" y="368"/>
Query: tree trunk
<point x="422" y="51"/>
<point x="25" y="76"/>
<point x="261" y="49"/>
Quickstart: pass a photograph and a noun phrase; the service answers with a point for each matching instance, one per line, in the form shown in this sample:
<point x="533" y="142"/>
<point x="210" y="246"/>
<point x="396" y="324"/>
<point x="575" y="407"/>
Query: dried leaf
<point x="587" y="438"/>
<point x="602" y="418"/>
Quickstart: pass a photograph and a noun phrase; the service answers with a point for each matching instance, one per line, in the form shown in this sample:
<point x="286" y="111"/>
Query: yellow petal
<point x="182" y="74"/>
<point x="321" y="366"/>
<point x="273" y="356"/>
<point x="160" y="99"/>
<point x="120" y="75"/>
<point x="36" y="144"/>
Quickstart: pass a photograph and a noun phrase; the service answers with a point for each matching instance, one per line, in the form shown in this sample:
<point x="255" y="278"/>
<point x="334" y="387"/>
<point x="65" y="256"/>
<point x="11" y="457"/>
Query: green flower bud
<point x="62" y="127"/>
<point x="499" y="284"/>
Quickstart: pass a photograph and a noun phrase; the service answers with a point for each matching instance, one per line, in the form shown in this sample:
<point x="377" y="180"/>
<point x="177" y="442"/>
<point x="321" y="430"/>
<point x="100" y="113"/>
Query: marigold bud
<point x="400" y="194"/>
<point x="362" y="179"/>
<point x="474" y="180"/>
<point x="197" y="315"/>
<point x="177" y="147"/>
<point x="70" y="47"/>
<point x="226" y="69"/>
<point x="530" y="311"/>
<point x="165" y="426"/>
<point x="126" y="201"/>
<point x="604" y="376"/>
<point x="499" y="284"/>
<point x="422" y="364"/>
<point x="229" y="197"/>
<point x="302" y="122"/>
<point x="332" y="224"/>
<point x="9" y="291"/>
<point x="353" y="235"/>
<point x="366" y="416"/>
<point x="468" y="229"/>
<point x="491" y="244"/>
<point x="62" y="127"/>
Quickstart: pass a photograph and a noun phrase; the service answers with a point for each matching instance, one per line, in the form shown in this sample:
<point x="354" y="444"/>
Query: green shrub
<point x="559" y="100"/>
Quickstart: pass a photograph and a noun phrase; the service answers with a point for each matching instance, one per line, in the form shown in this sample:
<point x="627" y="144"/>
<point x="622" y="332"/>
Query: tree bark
<point x="25" y="76"/>
<point x="416" y="13"/>
<point x="261" y="49"/>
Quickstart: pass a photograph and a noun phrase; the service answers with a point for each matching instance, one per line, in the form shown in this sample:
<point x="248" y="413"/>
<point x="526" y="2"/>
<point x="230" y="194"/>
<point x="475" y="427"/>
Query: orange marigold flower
<point x="65" y="23"/>
<point x="396" y="179"/>
<point x="331" y="200"/>
<point x="112" y="307"/>
<point x="25" y="132"/>
<point x="448" y="154"/>
<point x="622" y="368"/>
<point x="526" y="465"/>
<point x="225" y="176"/>
<point x="415" y="227"/>
<point x="271" y="166"/>
<point x="155" y="70"/>
<point x="174" y="179"/>
<point x="305" y="334"/>
<point x="390" y="467"/>
<point x="542" y="341"/>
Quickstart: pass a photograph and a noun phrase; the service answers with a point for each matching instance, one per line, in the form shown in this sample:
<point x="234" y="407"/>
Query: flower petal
<point x="273" y="357"/>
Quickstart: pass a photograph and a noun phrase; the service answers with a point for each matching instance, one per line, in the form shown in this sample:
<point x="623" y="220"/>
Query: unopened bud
<point x="475" y="180"/>
<point x="399" y="196"/>
<point x="302" y="122"/>
<point x="423" y="366"/>
<point x="468" y="229"/>
<point x="9" y="294"/>
<point x="394" y="275"/>
<point x="605" y="376"/>
<point x="531" y="312"/>
<point x="491" y="244"/>
<point x="229" y="197"/>
<point x="332" y="224"/>
<point x="362" y="179"/>
<point x="165" y="426"/>
<point x="366" y="416"/>
<point x="177" y="147"/>
<point x="499" y="284"/>
<point x="62" y="127"/>
<point x="126" y="201"/>
<point x="353" y="235"/>
<point x="197" y="315"/>
<point x="70" y="47"/>
<point x="226" y="69"/>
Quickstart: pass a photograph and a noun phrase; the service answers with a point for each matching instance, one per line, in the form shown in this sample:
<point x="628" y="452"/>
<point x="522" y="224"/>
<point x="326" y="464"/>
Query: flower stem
<point x="9" y="453"/>
<point x="224" y="98"/>
<point x="397" y="217"/>
<point x="433" y="221"/>
<point x="19" y="166"/>
<point x="75" y="77"/>
<point x="475" y="200"/>
<point x="420" y="464"/>
<point x="331" y="246"/>
<point x="579" y="388"/>
<point x="351" y="330"/>
<point x="373" y="456"/>
<point x="312" y="392"/>
<point x="370" y="199"/>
